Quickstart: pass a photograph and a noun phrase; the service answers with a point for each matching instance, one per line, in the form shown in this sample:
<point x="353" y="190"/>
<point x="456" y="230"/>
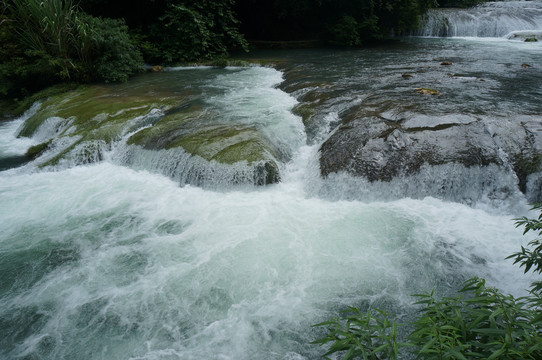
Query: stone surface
<point x="380" y="150"/>
<point x="82" y="124"/>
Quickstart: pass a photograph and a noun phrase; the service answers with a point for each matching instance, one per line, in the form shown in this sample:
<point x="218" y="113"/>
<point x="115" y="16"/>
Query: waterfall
<point x="511" y="19"/>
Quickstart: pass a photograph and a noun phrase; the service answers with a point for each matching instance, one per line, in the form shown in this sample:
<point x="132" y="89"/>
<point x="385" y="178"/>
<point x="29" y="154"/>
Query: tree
<point x="194" y="30"/>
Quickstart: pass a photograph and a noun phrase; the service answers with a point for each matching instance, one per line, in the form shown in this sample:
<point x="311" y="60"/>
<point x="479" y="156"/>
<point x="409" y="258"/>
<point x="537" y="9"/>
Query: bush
<point x="351" y="23"/>
<point x="478" y="323"/>
<point x="191" y="31"/>
<point x="368" y="335"/>
<point x="344" y="32"/>
<point x="48" y="42"/>
<point x="107" y="50"/>
<point x="531" y="259"/>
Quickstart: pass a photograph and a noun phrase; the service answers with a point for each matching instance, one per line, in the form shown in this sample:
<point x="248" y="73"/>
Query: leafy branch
<point x="479" y="322"/>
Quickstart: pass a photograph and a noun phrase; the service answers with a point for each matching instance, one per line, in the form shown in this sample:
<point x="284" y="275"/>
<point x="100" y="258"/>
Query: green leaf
<point x="457" y="354"/>
<point x="496" y="354"/>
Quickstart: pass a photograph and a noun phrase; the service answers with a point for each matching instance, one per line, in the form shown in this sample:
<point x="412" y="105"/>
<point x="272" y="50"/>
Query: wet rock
<point x="157" y="68"/>
<point x="531" y="40"/>
<point x="446" y="63"/>
<point x="406" y="76"/>
<point x="35" y="151"/>
<point x="525" y="66"/>
<point x="381" y="150"/>
<point x="81" y="125"/>
<point x="426" y="91"/>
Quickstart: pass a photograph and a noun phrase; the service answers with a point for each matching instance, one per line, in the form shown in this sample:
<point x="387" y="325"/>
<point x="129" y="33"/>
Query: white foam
<point x="10" y="144"/>
<point x="203" y="274"/>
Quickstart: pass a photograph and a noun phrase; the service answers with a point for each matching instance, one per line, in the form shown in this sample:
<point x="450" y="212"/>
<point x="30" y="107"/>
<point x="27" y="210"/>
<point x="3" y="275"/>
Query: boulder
<point x="79" y="126"/>
<point x="379" y="149"/>
<point x="426" y="91"/>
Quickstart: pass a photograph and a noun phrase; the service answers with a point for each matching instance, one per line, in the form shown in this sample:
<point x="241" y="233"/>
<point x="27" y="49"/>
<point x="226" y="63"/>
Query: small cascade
<point x="490" y="186"/>
<point x="13" y="149"/>
<point x="187" y="169"/>
<point x="490" y="20"/>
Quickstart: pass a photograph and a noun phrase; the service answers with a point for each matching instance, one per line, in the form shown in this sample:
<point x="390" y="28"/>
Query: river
<point x="127" y="259"/>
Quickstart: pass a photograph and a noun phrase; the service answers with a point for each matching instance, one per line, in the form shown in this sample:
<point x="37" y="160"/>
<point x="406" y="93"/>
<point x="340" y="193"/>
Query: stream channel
<point x="139" y="253"/>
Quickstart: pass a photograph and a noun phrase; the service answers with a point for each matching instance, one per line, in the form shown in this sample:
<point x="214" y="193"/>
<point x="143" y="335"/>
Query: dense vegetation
<point x="478" y="323"/>
<point x="46" y="42"/>
<point x="53" y="41"/>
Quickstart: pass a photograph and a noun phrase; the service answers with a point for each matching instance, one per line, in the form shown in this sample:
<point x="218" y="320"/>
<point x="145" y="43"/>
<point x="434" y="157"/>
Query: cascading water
<point x="512" y="19"/>
<point x="114" y="260"/>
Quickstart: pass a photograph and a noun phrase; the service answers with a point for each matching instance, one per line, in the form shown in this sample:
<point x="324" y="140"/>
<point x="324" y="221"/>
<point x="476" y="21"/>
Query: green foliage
<point x="344" y="32"/>
<point x="107" y="50"/>
<point x="337" y="22"/>
<point x="47" y="27"/>
<point x="47" y="42"/>
<point x="370" y="335"/>
<point x="21" y="71"/>
<point x="478" y="323"/>
<point x="191" y="30"/>
<point x="350" y="23"/>
<point x="531" y="259"/>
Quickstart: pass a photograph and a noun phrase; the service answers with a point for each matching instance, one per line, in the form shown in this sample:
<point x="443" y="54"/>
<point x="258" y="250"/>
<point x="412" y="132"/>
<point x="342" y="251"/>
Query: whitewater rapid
<point x="504" y="19"/>
<point x="104" y="262"/>
<point x="111" y="261"/>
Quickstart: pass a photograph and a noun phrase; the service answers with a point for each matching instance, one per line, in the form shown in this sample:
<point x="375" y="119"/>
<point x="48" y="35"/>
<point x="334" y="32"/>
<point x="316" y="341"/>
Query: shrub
<point x="47" y="27"/>
<point x="478" y="323"/>
<point x="106" y="49"/>
<point x="344" y="32"/>
<point x="47" y="42"/>
<point x="531" y="259"/>
<point x="191" y="31"/>
<point x="368" y="335"/>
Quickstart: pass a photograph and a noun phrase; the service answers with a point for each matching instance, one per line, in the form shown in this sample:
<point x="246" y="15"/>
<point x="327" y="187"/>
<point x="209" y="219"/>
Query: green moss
<point x="197" y="134"/>
<point x="528" y="165"/>
<point x="531" y="40"/>
<point x="36" y="150"/>
<point x="56" y="159"/>
<point x="105" y="112"/>
<point x="97" y="111"/>
<point x="224" y="144"/>
<point x="249" y="150"/>
<point x="165" y="131"/>
<point x="14" y="107"/>
<point x="305" y="110"/>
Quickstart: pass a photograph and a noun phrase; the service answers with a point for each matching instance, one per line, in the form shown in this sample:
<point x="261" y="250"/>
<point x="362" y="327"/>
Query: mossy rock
<point x="93" y="108"/>
<point x="197" y="134"/>
<point x="83" y="123"/>
<point x="306" y="111"/>
<point x="426" y="91"/>
<point x="524" y="165"/>
<point x="35" y="151"/>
